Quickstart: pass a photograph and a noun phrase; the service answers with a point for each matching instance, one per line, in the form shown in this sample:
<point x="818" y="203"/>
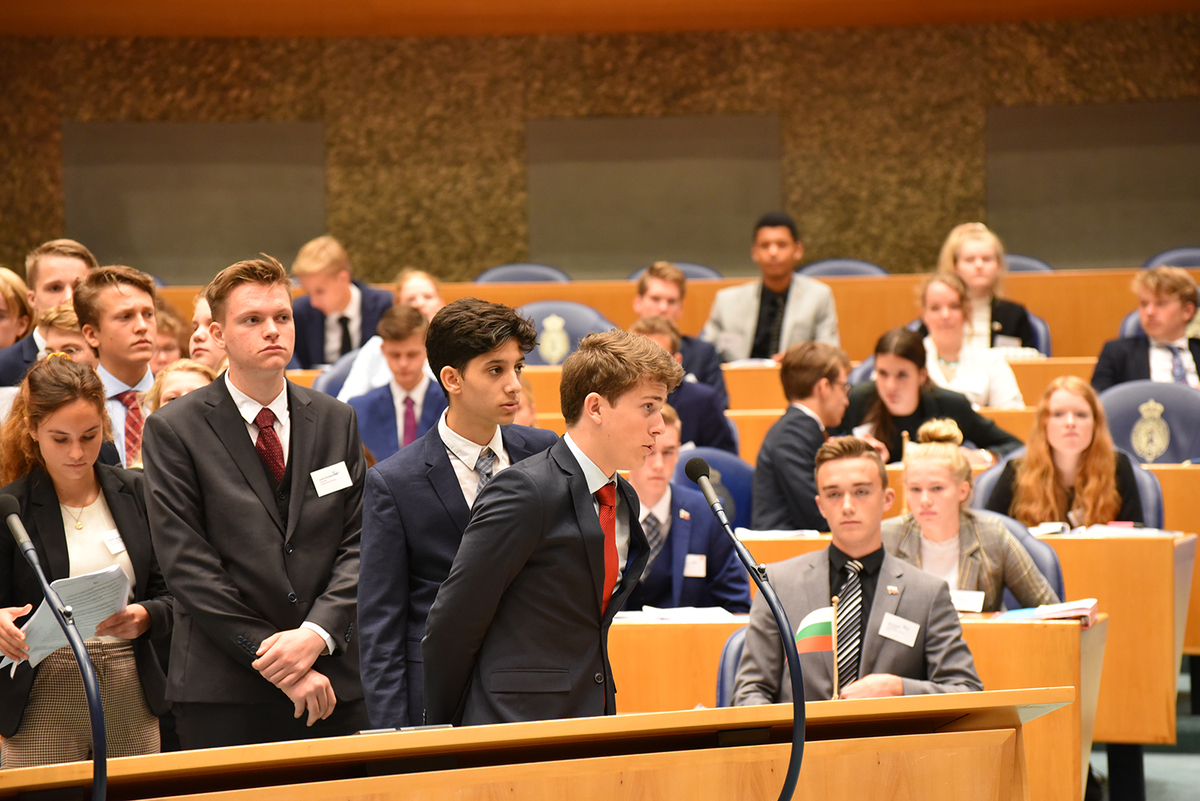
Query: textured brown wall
<point x="883" y="128"/>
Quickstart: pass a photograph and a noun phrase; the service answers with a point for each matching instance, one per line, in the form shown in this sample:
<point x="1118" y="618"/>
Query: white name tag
<point x="114" y="542"/>
<point x="331" y="479"/>
<point x="695" y="565"/>
<point x="898" y="629"/>
<point x="967" y="600"/>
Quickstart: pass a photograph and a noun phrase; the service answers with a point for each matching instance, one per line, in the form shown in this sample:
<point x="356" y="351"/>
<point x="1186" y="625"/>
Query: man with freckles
<point x="897" y="631"/>
<point x="254" y="488"/>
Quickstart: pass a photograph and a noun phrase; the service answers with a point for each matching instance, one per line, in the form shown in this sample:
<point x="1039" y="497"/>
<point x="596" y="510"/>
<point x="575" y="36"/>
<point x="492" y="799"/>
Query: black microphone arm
<point x="697" y="470"/>
<point x="10" y="509"/>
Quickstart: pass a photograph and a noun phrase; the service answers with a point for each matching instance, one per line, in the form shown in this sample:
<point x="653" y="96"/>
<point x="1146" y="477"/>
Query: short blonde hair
<point x="16" y="297"/>
<point x="952" y="248"/>
<point x="62" y="317"/>
<point x="322" y="255"/>
<point x="1172" y="282"/>
<point x="610" y="365"/>
<point x="153" y="398"/>
<point x="67" y="248"/>
<point x="663" y="271"/>
<point x="658" y="326"/>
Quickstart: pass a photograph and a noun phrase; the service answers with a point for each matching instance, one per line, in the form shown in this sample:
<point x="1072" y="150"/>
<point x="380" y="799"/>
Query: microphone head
<point x="9" y="506"/>
<point x="696" y="468"/>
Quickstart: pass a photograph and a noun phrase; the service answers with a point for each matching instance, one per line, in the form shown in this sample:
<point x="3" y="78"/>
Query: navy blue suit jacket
<point x="310" y="324"/>
<point x="702" y="417"/>
<point x="1128" y="359"/>
<point x="15" y="361"/>
<point x="694" y="531"/>
<point x="414" y="516"/>
<point x="701" y="359"/>
<point x="377" y="418"/>
<point x="785" y="484"/>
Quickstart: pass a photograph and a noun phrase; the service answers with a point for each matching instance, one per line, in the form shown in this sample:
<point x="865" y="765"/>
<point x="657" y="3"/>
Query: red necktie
<point x="133" y="425"/>
<point x="607" y="496"/>
<point x="270" y="450"/>
<point x="410" y="421"/>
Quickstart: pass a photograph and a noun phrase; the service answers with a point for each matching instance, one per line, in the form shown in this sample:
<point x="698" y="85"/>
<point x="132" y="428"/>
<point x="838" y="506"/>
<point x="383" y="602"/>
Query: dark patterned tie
<point x="347" y="340"/>
<point x="133" y="425"/>
<point x="1178" y="374"/>
<point x="485" y="466"/>
<point x="606" y="496"/>
<point x="270" y="450"/>
<point x="849" y="624"/>
<point x="654" y="536"/>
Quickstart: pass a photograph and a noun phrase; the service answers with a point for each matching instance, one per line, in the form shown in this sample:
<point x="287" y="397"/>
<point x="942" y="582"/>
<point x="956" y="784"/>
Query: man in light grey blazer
<point x="763" y="318"/>
<point x="911" y="642"/>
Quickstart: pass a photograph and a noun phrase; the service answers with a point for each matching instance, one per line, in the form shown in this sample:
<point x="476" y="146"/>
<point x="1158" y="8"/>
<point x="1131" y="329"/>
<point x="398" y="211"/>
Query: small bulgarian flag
<point x="816" y="631"/>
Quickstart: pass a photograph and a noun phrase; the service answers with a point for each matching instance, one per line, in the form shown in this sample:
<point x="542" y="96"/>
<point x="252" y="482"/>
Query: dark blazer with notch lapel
<point x="702" y="419"/>
<point x="377" y="418"/>
<point x="414" y="515"/>
<point x="694" y="531"/>
<point x="42" y="517"/>
<point x="1128" y="359"/>
<point x="785" y="484"/>
<point x="701" y="359"/>
<point x="938" y="662"/>
<point x="16" y="359"/>
<point x="310" y="324"/>
<point x="519" y="630"/>
<point x="237" y="573"/>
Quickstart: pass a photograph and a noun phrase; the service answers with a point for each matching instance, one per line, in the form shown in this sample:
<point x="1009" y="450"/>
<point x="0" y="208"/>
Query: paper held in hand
<point x="93" y="598"/>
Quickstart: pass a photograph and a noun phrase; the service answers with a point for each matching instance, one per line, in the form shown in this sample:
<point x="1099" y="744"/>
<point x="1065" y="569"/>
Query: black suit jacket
<point x="701" y="359"/>
<point x="414" y="515"/>
<point x="1128" y="359"/>
<point x="310" y="324"/>
<point x="237" y="572"/>
<point x="785" y="486"/>
<point x="15" y="361"/>
<point x="519" y="630"/>
<point x="1009" y="320"/>
<point x="42" y="517"/>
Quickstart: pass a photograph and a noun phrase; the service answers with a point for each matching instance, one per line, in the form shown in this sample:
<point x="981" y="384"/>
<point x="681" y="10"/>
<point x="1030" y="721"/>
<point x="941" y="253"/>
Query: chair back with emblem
<point x="727" y="667"/>
<point x="560" y="325"/>
<point x="732" y="478"/>
<point x="1155" y="422"/>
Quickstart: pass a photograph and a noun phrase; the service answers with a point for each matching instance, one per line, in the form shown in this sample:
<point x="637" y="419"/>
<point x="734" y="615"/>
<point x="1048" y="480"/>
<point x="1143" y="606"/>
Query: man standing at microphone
<point x="519" y="630"/>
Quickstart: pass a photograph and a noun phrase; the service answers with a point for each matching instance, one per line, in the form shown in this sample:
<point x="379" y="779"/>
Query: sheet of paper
<point x="682" y="614"/>
<point x="93" y="598"/>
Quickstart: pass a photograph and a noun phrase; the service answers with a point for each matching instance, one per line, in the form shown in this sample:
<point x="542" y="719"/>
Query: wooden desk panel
<point x="1181" y="488"/>
<point x="1035" y="375"/>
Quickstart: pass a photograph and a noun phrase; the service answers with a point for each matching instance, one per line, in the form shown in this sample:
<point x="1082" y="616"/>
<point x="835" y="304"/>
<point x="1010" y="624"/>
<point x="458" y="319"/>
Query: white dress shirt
<point x="370" y="370"/>
<point x="1161" y="361"/>
<point x="982" y="375"/>
<point x="595" y="480"/>
<point x="399" y="395"/>
<point x="113" y="387"/>
<point x="662" y="511"/>
<point x="333" y="328"/>
<point x="464" y="453"/>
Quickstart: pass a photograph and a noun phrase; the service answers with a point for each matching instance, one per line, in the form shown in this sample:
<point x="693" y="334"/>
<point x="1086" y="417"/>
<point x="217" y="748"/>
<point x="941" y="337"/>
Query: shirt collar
<point x="662" y="509"/>
<point x="871" y="562"/>
<point x="809" y="412"/>
<point x="1181" y="343"/>
<point x="417" y="392"/>
<point x="249" y="408"/>
<point x="594" y="475"/>
<point x="353" y="306"/>
<point x="113" y="386"/>
<point x="467" y="451"/>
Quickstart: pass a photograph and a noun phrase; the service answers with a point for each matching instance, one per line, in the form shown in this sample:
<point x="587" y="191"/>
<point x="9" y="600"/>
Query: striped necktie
<point x="849" y="624"/>
<point x="133" y="425"/>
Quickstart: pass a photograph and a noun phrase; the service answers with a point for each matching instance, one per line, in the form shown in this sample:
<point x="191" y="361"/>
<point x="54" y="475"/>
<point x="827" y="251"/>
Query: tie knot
<point x="854" y="567"/>
<point x="128" y="398"/>
<point x="607" y="495"/>
<point x="409" y="403"/>
<point x="344" y="320"/>
<point x="485" y="462"/>
<point x="265" y="418"/>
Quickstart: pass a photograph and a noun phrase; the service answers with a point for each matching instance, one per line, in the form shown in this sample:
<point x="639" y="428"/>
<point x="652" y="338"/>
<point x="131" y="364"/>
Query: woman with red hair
<point x="1071" y="472"/>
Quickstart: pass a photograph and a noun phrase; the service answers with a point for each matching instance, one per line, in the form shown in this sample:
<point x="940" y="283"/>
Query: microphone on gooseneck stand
<point x="10" y="510"/>
<point x="698" y="471"/>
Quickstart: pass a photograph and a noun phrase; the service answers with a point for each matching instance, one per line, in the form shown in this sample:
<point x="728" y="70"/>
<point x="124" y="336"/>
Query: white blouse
<point x="981" y="374"/>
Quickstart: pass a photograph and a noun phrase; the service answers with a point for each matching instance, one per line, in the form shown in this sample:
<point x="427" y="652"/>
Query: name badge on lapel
<point x="331" y="479"/>
<point x="113" y="540"/>
<point x="898" y="629"/>
<point x="695" y="565"/>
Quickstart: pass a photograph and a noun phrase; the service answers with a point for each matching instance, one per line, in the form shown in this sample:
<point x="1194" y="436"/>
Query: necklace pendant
<point x="79" y="525"/>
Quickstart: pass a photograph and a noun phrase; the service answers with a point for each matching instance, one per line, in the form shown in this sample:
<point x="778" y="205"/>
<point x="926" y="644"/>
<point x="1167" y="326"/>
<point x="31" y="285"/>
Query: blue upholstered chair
<point x="523" y="273"/>
<point x="560" y="325"/>
<point x="1043" y="556"/>
<point x="732" y="478"/>
<point x="1041" y="334"/>
<point x="828" y="267"/>
<point x="1131" y="326"/>
<point x="1175" y="257"/>
<point x="1026" y="264"/>
<point x="690" y="269"/>
<point x="727" y="667"/>
<point x="862" y="373"/>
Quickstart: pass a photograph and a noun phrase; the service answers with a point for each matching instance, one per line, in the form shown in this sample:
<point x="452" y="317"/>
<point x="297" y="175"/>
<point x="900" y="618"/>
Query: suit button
<point x="292" y="597"/>
<point x="288" y="548"/>
<point x="599" y="678"/>
<point x="283" y="496"/>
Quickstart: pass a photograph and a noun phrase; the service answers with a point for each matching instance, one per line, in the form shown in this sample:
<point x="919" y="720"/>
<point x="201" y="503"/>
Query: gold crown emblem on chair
<point x="554" y="343"/>
<point x="1151" y="435"/>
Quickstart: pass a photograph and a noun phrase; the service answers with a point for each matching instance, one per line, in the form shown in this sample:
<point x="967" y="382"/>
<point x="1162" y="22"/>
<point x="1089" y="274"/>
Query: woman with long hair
<point x="1071" y="472"/>
<point x="901" y="398"/>
<point x="976" y="255"/>
<point x="953" y="362"/>
<point x="941" y="535"/>
<point x="82" y="517"/>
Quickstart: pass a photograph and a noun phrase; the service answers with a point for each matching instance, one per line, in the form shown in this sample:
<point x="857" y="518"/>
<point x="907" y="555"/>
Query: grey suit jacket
<point x="810" y="314"/>
<point x="237" y="572"/>
<point x="519" y="630"/>
<point x="938" y="662"/>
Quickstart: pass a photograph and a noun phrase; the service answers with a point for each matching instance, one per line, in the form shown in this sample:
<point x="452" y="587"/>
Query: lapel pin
<point x="684" y="514"/>
<point x="893" y="589"/>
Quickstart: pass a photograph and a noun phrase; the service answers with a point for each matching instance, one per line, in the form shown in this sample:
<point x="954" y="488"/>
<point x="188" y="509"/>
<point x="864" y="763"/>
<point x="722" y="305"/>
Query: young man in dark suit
<point x="785" y="491"/>
<point x="396" y="415"/>
<point x="1167" y="299"/>
<point x="660" y="291"/>
<point x="254" y="490"/>
<point x="51" y="271"/>
<point x="692" y="562"/>
<point x="337" y="314"/>
<point x="519" y="629"/>
<point x="701" y="414"/>
<point x="418" y="502"/>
